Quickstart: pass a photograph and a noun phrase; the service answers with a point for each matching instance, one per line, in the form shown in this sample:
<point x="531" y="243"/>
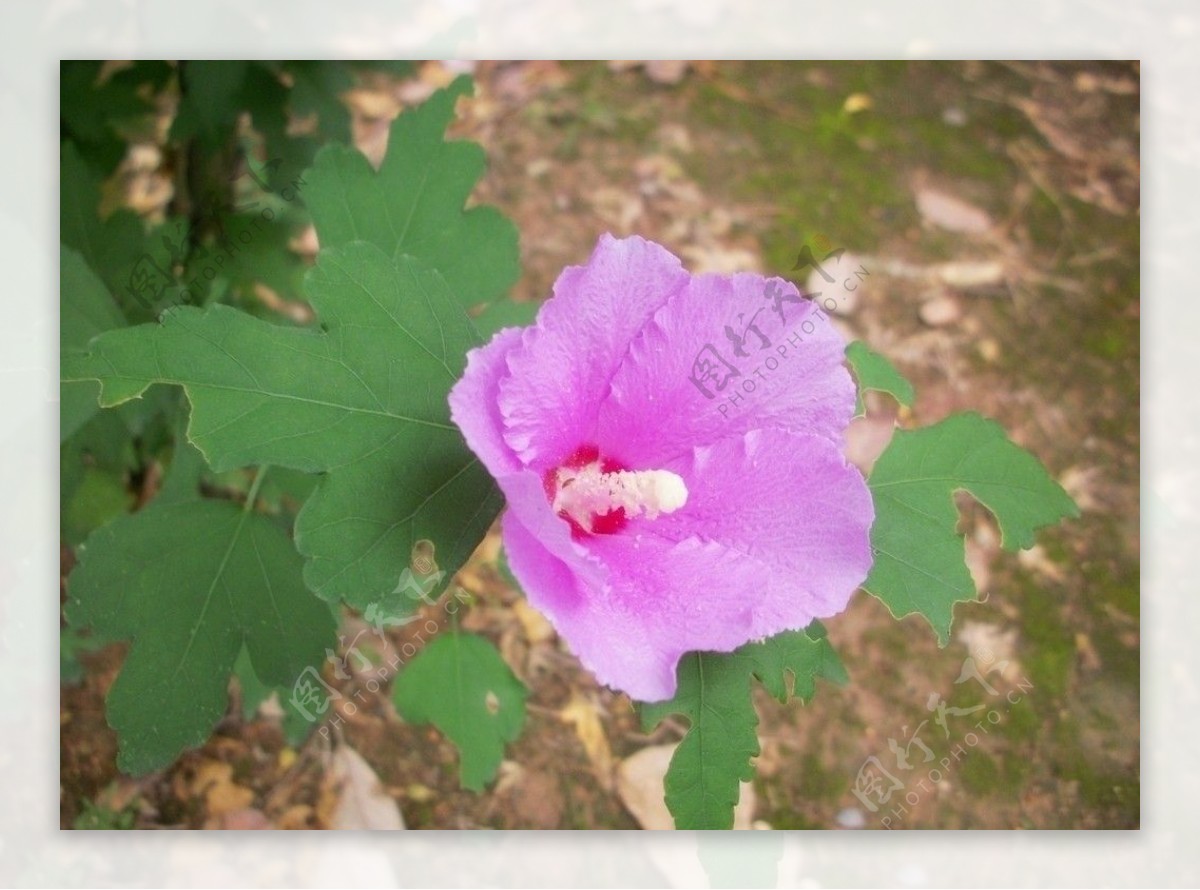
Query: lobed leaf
<point x="461" y="685"/>
<point x="235" y="584"/>
<point x="413" y="205"/>
<point x="92" y="109"/>
<point x="86" y="309"/>
<point x="363" y="400"/>
<point x="919" y="557"/>
<point x="115" y="247"/>
<point x="714" y="693"/>
<point x="874" y="371"/>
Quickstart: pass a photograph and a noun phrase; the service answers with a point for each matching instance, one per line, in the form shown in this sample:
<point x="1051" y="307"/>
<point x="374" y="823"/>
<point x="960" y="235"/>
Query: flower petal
<point x="775" y="529"/>
<point x="792" y="376"/>
<point x="473" y="406"/>
<point x="775" y="533"/>
<point x="789" y="501"/>
<point x="526" y="498"/>
<point x="676" y="597"/>
<point x="613" y="645"/>
<point x="632" y="631"/>
<point x="561" y="372"/>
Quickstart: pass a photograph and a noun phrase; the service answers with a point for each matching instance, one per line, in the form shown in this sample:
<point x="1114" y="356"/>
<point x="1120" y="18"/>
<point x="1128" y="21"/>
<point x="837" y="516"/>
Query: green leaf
<point x="97" y="817"/>
<point x="211" y="98"/>
<point x="714" y="693"/>
<point x="192" y="583"/>
<point x="267" y="99"/>
<point x="789" y="664"/>
<point x="919" y="555"/>
<point x="413" y="205"/>
<point x="90" y="111"/>
<point x="94" y="461"/>
<point x="702" y="782"/>
<point x="295" y="725"/>
<point x="97" y="497"/>
<point x="317" y="87"/>
<point x="87" y="309"/>
<point x="253" y="690"/>
<point x="287" y="489"/>
<point x="71" y="643"/>
<point x="461" y="685"/>
<point x="363" y="400"/>
<point x="116" y="248"/>
<point x="264" y="256"/>
<point x="105" y="441"/>
<point x="873" y="371"/>
<point x="182" y="482"/>
<point x="505" y="313"/>
<point x="397" y="68"/>
<point x="97" y="462"/>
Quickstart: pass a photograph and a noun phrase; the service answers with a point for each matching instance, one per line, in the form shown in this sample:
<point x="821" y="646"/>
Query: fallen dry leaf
<point x="721" y="260"/>
<point x="372" y="104"/>
<point x="362" y="804"/>
<point x="640" y="787"/>
<point x="248" y="819"/>
<point x="940" y="311"/>
<point x="993" y="648"/>
<point x="213" y="781"/>
<point x="949" y="212"/>
<point x="1089" y="658"/>
<point x="1083" y="484"/>
<point x="850" y="275"/>
<point x="967" y="275"/>
<point x="867" y="438"/>
<point x="536" y="628"/>
<point x="981" y="549"/>
<point x="857" y="102"/>
<point x="616" y="207"/>
<point x="298" y="817"/>
<point x="666" y="71"/>
<point x="1035" y="559"/>
<point x="584" y="716"/>
<point x="531" y="797"/>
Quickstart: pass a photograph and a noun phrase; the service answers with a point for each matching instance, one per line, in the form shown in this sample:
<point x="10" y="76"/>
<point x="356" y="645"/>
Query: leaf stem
<point x="252" y="494"/>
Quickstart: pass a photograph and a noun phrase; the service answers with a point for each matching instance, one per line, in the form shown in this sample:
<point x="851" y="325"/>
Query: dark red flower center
<point x="587" y="522"/>
<point x="597" y="495"/>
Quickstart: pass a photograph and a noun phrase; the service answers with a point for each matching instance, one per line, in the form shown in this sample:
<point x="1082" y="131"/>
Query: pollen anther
<point x="589" y="492"/>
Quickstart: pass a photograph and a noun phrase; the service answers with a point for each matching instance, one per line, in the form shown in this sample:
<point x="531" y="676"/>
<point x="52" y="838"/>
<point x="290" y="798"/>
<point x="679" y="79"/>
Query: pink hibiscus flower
<point x="670" y="447"/>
